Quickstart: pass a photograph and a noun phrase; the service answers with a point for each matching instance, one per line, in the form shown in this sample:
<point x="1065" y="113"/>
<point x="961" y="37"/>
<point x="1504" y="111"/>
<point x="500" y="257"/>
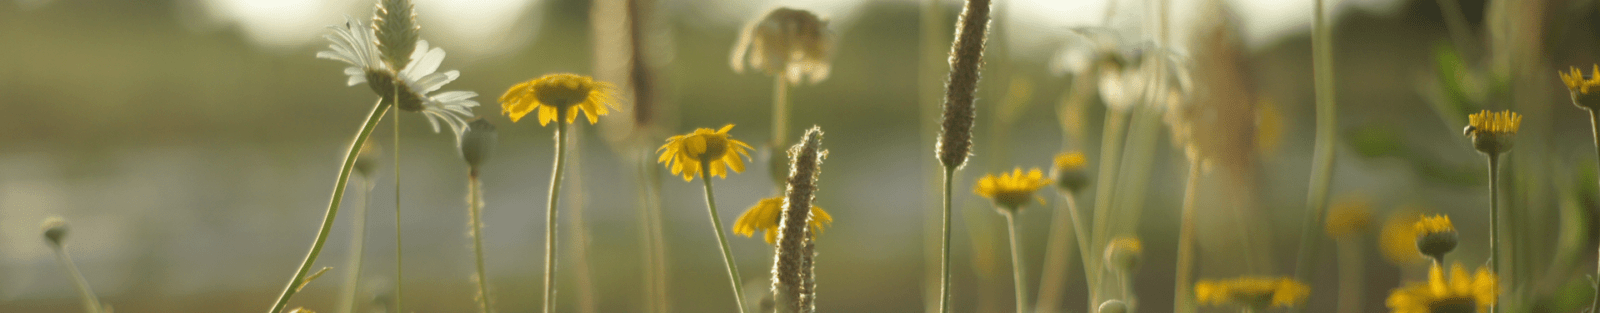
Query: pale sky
<point x="477" y="27"/>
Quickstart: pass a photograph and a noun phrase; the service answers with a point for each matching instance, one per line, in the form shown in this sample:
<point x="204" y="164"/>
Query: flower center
<point x="1453" y="305"/>
<point x="562" y="93"/>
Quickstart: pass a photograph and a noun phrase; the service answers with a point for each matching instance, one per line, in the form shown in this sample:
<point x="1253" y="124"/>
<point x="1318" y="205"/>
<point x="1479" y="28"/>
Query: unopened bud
<point x="478" y="142"/>
<point x="55" y="230"/>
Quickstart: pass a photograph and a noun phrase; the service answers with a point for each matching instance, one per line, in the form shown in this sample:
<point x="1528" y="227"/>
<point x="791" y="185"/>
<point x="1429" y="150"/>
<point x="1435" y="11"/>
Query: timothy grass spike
<point x="792" y="269"/>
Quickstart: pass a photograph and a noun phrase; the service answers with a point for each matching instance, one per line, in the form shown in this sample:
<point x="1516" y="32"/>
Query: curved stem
<point x="398" y="256"/>
<point x="550" y="215"/>
<point x="333" y="206"/>
<point x="1186" y="242"/>
<point x="1054" y="276"/>
<point x="475" y="213"/>
<point x="91" y="304"/>
<point x="722" y="240"/>
<point x="358" y="243"/>
<point x="1594" y="120"/>
<point x="1016" y="263"/>
<point x="944" y="264"/>
<point x="1494" y="223"/>
<point x="1110" y="155"/>
<point x="1322" y="155"/>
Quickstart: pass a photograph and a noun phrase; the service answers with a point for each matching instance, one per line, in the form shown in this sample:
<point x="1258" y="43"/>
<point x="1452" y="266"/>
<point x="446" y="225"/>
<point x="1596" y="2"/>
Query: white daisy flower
<point x="355" y="44"/>
<point x="452" y="107"/>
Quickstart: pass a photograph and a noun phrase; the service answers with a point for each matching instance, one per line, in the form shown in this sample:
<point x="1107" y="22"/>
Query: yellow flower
<point x="1435" y="236"/>
<point x="1070" y="171"/>
<point x="1348" y="216"/>
<point x="1462" y="293"/>
<point x="685" y="154"/>
<point x="1491" y="131"/>
<point x="1252" y="291"/>
<point x="559" y="95"/>
<point x="1011" y="191"/>
<point x="1399" y="237"/>
<point x="766" y="214"/>
<point x="1124" y="253"/>
<point x="1579" y="86"/>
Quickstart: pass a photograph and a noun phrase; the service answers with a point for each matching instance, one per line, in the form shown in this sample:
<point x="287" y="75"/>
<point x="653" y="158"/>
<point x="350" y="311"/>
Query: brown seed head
<point x="966" y="61"/>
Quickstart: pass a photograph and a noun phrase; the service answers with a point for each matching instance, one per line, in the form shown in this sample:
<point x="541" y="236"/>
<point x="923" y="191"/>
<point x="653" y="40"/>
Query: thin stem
<point x="1126" y="280"/>
<point x="1110" y="155"/>
<point x="475" y="215"/>
<point x="550" y="214"/>
<point x="358" y="243"/>
<point x="1054" y="278"/>
<point x="1322" y="155"/>
<point x="1350" y="274"/>
<point x="1186" y="241"/>
<point x="91" y="304"/>
<point x="1594" y="120"/>
<point x="654" y="251"/>
<point x="398" y="256"/>
<point x="944" y="264"/>
<point x="1494" y="222"/>
<point x="780" y="130"/>
<point x="716" y="224"/>
<point x="1016" y="263"/>
<point x="333" y="206"/>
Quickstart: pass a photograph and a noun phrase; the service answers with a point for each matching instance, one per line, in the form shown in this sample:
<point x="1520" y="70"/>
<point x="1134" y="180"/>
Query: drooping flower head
<point x="764" y="217"/>
<point x="1348" y="216"/>
<point x="559" y="95"/>
<point x="1124" y="254"/>
<point x="1462" y="293"/>
<point x="685" y="154"/>
<point x="1436" y="236"/>
<point x="1070" y="171"/>
<point x="789" y="42"/>
<point x="1256" y="292"/>
<point x="1010" y="191"/>
<point x="1579" y="86"/>
<point x="1491" y="132"/>
<point x="355" y="44"/>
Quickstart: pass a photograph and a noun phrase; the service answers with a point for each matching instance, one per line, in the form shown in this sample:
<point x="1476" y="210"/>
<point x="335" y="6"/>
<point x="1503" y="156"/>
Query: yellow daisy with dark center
<point x="766" y="214"/>
<point x="1491" y="132"/>
<point x="1011" y="190"/>
<point x="559" y="95"/>
<point x="1257" y="292"/>
<point x="1463" y="293"/>
<point x="714" y="149"/>
<point x="1579" y="86"/>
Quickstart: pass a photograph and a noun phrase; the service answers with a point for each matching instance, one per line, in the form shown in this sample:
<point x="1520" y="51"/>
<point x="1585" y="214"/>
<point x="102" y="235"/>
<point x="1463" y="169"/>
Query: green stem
<point x="352" y="281"/>
<point x="653" y="242"/>
<point x="475" y="213"/>
<point x="550" y="215"/>
<point x="944" y="264"/>
<point x="1016" y="263"/>
<point x="780" y="130"/>
<point x="1322" y="156"/>
<point x="399" y="257"/>
<point x="1054" y="278"/>
<point x="91" y="304"/>
<point x="722" y="240"/>
<point x="333" y="206"/>
<point x="1594" y="120"/>
<point x="1110" y="156"/>
<point x="1494" y="222"/>
<point x="1186" y="242"/>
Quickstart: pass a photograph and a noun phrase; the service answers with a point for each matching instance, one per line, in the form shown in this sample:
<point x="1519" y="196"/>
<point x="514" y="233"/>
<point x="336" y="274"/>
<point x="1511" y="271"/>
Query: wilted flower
<point x="790" y="42"/>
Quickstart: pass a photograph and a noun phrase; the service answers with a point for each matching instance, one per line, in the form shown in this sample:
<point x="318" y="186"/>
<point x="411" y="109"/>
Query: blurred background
<point x="191" y="145"/>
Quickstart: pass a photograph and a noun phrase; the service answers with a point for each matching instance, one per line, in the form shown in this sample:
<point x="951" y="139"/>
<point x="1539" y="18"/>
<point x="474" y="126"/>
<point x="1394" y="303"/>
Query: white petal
<point x="425" y="64"/>
<point x="431" y="82"/>
<point x="452" y="96"/>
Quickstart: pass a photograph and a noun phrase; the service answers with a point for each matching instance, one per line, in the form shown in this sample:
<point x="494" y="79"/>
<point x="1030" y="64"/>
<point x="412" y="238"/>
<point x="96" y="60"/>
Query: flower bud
<point x="1070" y="171"/>
<point x="1436" y="236"/>
<point x="477" y="143"/>
<point x="1123" y="254"/>
<point x="1113" y="306"/>
<point x="55" y="230"/>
